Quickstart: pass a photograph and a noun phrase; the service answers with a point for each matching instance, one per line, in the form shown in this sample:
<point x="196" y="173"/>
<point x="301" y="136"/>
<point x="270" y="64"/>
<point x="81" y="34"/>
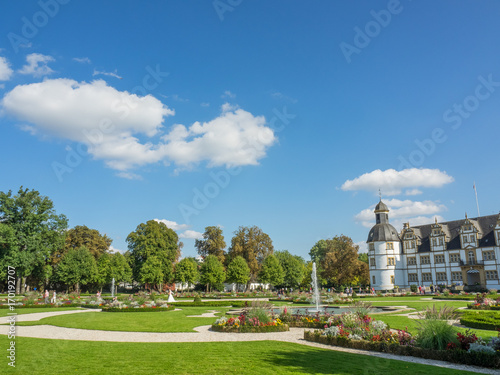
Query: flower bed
<point x="43" y="305"/>
<point x="477" y="357"/>
<point x="243" y="324"/>
<point x="210" y="304"/>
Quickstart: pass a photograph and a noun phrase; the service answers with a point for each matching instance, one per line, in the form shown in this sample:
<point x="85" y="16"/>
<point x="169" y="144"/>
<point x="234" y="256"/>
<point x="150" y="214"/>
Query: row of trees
<point x="37" y="242"/>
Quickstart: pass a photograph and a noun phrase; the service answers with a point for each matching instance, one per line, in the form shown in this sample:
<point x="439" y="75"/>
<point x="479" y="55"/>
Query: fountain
<point x="113" y="288"/>
<point x="314" y="282"/>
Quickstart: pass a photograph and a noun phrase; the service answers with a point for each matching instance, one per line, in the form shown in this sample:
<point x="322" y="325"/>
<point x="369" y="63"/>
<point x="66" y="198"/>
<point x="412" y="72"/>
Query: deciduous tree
<point x="293" y="268"/>
<point x="340" y="263"/>
<point x="271" y="271"/>
<point x="77" y="267"/>
<point x="238" y="271"/>
<point x="253" y="245"/>
<point x="186" y="271"/>
<point x="212" y="273"/>
<point x="212" y="243"/>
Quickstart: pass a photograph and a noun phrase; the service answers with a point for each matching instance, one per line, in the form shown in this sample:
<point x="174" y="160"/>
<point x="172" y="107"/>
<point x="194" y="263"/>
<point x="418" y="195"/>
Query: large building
<point x="462" y="252"/>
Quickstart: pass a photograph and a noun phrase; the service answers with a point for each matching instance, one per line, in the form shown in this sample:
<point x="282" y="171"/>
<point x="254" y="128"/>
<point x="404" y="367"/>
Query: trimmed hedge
<point x="454" y="356"/>
<point x="139" y="309"/>
<point x="250" y="329"/>
<point x="210" y="304"/>
<point x="43" y="306"/>
<point x="489" y="320"/>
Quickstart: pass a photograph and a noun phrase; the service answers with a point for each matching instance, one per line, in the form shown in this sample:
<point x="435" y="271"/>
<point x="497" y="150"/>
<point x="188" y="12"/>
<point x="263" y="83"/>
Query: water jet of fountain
<point x="314" y="282"/>
<point x="113" y="288"/>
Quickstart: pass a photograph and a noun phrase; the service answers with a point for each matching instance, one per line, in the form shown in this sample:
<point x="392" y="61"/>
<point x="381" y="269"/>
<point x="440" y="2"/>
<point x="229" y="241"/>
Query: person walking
<point x="53" y="300"/>
<point x="46" y="295"/>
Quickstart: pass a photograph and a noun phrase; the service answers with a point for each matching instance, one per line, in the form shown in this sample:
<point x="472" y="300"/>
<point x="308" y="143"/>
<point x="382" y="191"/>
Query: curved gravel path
<point x="202" y="334"/>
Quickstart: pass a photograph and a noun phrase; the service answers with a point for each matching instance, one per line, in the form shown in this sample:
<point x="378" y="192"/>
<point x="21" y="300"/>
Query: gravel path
<point x="202" y="334"/>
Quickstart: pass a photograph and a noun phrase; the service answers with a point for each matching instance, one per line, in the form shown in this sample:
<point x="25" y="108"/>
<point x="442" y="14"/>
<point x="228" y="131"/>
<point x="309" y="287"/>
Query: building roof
<point x="383" y="232"/>
<point x="484" y="224"/>
<point x="381" y="206"/>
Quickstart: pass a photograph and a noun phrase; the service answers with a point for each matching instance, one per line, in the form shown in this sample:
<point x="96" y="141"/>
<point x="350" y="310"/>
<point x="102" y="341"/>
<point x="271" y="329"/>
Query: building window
<point x="427" y="277"/>
<point x="434" y="242"/>
<point x="392" y="279"/>
<point x="439" y="258"/>
<point x="472" y="257"/>
<point x="390" y="246"/>
<point x="373" y="279"/>
<point x="371" y="246"/>
<point x="455" y="258"/>
<point x="413" y="277"/>
<point x="488" y="255"/>
<point x="412" y="261"/>
<point x="491" y="275"/>
<point x="372" y="262"/>
<point x="425" y="259"/>
<point x="456" y="276"/>
<point x="440" y="241"/>
<point x="412" y="244"/>
<point x="440" y="276"/>
<point x="391" y="261"/>
<point x="472" y="238"/>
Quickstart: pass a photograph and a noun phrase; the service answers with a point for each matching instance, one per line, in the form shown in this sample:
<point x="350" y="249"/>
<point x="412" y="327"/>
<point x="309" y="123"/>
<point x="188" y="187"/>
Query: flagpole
<point x="477" y="202"/>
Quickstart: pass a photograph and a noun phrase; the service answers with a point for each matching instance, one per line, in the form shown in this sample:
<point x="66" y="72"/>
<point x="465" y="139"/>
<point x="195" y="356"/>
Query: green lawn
<point x="168" y="321"/>
<point x="41" y="356"/>
<point x="28" y="310"/>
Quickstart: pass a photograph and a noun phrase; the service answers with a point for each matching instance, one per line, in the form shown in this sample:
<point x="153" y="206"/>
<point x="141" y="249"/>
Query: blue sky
<point x="286" y="115"/>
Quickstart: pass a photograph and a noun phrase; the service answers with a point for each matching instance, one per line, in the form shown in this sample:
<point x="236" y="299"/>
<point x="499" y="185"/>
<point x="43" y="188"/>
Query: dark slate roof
<point x="381" y="206"/>
<point x="484" y="224"/>
<point x="383" y="232"/>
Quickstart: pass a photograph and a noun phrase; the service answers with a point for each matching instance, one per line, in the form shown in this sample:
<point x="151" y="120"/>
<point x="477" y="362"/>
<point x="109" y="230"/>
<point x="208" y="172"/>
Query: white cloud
<point x="363" y="247"/>
<point x="109" y="122"/>
<point x="280" y="96"/>
<point x="114" y="250"/>
<point x="129" y="175"/>
<point x="82" y="60"/>
<point x="109" y="74"/>
<point x="172" y="224"/>
<point x="391" y="182"/>
<point x="205" y="104"/>
<point x="413" y="192"/>
<point x="400" y="211"/>
<point x="228" y="94"/>
<point x="5" y="70"/>
<point x="37" y="65"/>
<point x="191" y="234"/>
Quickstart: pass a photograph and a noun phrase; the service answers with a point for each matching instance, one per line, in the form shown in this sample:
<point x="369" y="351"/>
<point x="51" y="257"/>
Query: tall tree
<point x="238" y="271"/>
<point x="212" y="273"/>
<point x="186" y="271"/>
<point x="363" y="257"/>
<point x="81" y="235"/>
<point x="340" y="263"/>
<point x="212" y="243"/>
<point x="120" y="269"/>
<point x="253" y="245"/>
<point x="154" y="239"/>
<point x="38" y="231"/>
<point x="77" y="267"/>
<point x="293" y="268"/>
<point x="318" y="251"/>
<point x="271" y="271"/>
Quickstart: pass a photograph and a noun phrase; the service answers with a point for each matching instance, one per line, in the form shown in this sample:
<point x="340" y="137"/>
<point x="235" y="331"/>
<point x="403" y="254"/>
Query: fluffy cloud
<point x="191" y="234"/>
<point x="5" y="70"/>
<point x="82" y="60"/>
<point x="172" y="224"/>
<point x="228" y="94"/>
<point x="416" y="212"/>
<point x="109" y="74"/>
<point x="391" y="182"/>
<point x="37" y="65"/>
<point x="117" y="126"/>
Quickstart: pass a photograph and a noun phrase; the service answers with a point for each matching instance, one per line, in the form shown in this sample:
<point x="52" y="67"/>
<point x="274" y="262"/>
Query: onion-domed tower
<point x="384" y="252"/>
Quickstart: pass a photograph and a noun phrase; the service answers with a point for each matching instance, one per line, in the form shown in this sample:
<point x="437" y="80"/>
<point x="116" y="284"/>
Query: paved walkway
<point x="202" y="334"/>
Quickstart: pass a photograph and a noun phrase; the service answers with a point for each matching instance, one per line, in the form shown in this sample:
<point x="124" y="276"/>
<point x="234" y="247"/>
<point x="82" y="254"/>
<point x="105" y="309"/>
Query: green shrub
<point x="413" y="288"/>
<point x="435" y="334"/>
<point x="489" y="320"/>
<point x="444" y="313"/>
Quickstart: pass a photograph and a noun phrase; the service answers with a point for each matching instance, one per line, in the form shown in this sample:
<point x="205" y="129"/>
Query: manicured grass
<point x="419" y="305"/>
<point x="41" y="356"/>
<point x="27" y="310"/>
<point x="403" y="323"/>
<point x="168" y="321"/>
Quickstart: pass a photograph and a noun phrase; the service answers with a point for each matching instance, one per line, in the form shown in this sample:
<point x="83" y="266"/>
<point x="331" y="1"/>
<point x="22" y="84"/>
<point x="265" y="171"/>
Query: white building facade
<point x="461" y="252"/>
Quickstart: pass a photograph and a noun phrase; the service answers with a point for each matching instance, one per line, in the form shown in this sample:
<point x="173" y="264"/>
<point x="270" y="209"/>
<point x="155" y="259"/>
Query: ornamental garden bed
<point x="489" y="320"/>
<point x="43" y="305"/>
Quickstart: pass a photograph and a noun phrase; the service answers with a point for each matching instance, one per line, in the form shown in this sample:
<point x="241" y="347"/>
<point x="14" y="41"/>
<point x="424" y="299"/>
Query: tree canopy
<point x="212" y="243"/>
<point x="153" y="239"/>
<point x="340" y="265"/>
<point x="186" y="271"/>
<point x="77" y="267"/>
<point x="271" y="271"/>
<point x="293" y="268"/>
<point x="212" y="272"/>
<point x="38" y="231"/>
<point x="253" y="245"/>
<point x="238" y="271"/>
